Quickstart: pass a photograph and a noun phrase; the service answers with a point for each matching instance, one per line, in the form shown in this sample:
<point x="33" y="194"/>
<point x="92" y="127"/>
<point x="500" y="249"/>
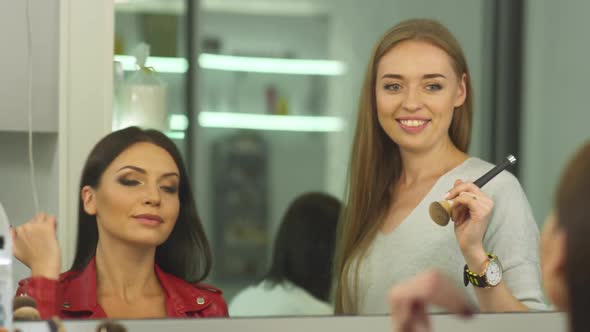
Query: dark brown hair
<point x="573" y="214"/>
<point x="186" y="253"/>
<point x="304" y="245"/>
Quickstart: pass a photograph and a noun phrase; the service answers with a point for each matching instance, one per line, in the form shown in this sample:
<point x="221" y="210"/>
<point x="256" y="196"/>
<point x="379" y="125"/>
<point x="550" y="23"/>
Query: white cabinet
<point x="15" y="80"/>
<point x="71" y="102"/>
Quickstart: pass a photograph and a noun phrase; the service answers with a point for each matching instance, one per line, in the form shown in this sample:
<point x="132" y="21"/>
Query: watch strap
<point x="475" y="279"/>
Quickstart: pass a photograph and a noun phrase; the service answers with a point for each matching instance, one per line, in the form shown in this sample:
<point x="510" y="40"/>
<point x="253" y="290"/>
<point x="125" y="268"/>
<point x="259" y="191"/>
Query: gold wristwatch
<point x="490" y="276"/>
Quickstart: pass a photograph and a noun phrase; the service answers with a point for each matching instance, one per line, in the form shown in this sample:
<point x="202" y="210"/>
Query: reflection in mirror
<point x="298" y="160"/>
<point x="300" y="275"/>
<point x="293" y="162"/>
<point x="141" y="249"/>
<point x="410" y="149"/>
<point x="563" y="247"/>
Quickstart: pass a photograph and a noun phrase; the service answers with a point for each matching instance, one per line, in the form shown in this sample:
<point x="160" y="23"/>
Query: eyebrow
<point x="143" y="171"/>
<point x="426" y="76"/>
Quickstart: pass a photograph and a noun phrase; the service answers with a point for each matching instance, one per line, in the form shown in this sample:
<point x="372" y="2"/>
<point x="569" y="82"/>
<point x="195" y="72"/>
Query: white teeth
<point x="412" y="123"/>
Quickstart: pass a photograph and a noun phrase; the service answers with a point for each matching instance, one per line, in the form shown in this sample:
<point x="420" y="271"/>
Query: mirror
<point x="269" y="110"/>
<point x="266" y="128"/>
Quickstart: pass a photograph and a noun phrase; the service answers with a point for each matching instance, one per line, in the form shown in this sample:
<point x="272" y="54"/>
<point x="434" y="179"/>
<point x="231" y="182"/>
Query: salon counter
<point x="538" y="322"/>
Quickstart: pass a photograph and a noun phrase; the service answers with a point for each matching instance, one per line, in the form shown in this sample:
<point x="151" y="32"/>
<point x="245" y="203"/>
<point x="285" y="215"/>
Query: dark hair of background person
<point x="186" y="253"/>
<point x="305" y="242"/>
<point x="572" y="198"/>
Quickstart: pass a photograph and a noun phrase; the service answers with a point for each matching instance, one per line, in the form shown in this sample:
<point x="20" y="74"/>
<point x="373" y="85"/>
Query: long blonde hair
<point x="375" y="165"/>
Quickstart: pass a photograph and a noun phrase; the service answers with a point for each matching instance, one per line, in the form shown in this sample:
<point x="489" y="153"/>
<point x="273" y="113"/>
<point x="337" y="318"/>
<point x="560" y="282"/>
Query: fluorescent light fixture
<point x="240" y="63"/>
<point x="271" y="122"/>
<point x="271" y="65"/>
<point x="175" y="134"/>
<point x="267" y="7"/>
<point x="178" y="122"/>
<point x="160" y="64"/>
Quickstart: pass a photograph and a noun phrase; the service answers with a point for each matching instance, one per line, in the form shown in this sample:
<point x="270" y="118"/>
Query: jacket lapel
<point x="182" y="298"/>
<point x="79" y="294"/>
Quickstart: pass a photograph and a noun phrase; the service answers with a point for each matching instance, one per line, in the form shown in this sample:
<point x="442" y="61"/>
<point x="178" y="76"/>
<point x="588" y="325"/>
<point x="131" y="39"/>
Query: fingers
<point x="39" y="218"/>
<point x="412" y="317"/>
<point x="461" y="186"/>
<point x="35" y="238"/>
<point x="468" y="201"/>
<point x="471" y="205"/>
<point x="410" y="299"/>
<point x="43" y="217"/>
<point x="459" y="213"/>
<point x="15" y="249"/>
<point x="52" y="221"/>
<point x="472" y="201"/>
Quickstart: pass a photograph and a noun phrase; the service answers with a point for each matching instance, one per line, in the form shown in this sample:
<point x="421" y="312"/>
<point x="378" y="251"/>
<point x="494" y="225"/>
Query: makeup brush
<point x="440" y="211"/>
<point x="24" y="309"/>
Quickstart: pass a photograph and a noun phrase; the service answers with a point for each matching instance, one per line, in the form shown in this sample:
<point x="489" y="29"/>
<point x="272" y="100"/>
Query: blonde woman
<point x="410" y="148"/>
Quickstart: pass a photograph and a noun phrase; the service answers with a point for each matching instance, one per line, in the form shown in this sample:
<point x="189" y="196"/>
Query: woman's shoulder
<point x="191" y="290"/>
<point x="197" y="297"/>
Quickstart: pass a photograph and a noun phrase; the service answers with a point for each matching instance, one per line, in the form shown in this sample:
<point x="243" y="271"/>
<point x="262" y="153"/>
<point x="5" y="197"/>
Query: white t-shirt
<point x="283" y="299"/>
<point x="418" y="244"/>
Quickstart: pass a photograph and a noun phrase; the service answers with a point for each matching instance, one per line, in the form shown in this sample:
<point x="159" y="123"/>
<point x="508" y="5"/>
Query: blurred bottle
<point x="143" y="97"/>
<point x="282" y="106"/>
<point x="271" y="99"/>
<point x="6" y="291"/>
<point x="118" y="77"/>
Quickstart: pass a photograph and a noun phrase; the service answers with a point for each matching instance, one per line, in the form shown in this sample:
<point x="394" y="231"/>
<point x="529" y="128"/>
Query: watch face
<point x="494" y="272"/>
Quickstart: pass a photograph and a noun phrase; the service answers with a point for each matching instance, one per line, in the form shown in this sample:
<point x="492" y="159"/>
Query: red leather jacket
<point x="74" y="296"/>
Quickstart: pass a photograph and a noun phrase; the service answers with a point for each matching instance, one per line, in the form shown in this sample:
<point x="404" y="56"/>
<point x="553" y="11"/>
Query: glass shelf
<point x="268" y="122"/>
<point x="241" y="63"/>
<point x="297" y="123"/>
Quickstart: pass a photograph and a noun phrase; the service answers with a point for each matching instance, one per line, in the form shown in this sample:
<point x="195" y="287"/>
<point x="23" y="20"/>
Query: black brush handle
<point x="509" y="160"/>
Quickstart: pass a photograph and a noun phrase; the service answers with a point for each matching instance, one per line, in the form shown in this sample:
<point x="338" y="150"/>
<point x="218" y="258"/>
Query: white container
<point x="6" y="290"/>
<point x="141" y="98"/>
<point x="143" y="106"/>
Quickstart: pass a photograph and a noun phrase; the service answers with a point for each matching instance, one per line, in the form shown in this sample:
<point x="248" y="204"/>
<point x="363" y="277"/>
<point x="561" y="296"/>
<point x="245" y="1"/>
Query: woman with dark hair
<point x="141" y="249"/>
<point x="299" y="279"/>
<point x="411" y="148"/>
<point x="564" y="255"/>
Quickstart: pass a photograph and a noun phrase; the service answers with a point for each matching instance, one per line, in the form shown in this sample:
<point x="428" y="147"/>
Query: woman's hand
<point x="35" y="245"/>
<point x="409" y="300"/>
<point x="471" y="210"/>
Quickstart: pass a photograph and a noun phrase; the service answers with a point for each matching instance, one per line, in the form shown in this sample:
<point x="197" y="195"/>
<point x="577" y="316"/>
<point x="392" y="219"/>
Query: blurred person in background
<point x="299" y="279"/>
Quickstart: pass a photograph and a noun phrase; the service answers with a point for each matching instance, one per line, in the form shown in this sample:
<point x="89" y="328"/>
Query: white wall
<point x="556" y="112"/>
<point x="14" y="71"/>
<point x="16" y="194"/>
<point x="72" y="88"/>
<point x="15" y="182"/>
